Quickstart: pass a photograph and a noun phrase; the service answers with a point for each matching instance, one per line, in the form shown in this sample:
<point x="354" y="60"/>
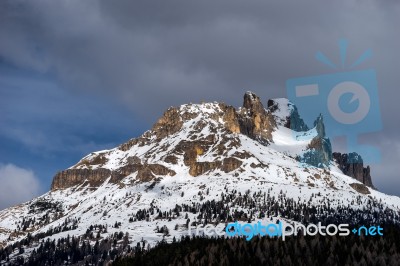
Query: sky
<point x="80" y="76"/>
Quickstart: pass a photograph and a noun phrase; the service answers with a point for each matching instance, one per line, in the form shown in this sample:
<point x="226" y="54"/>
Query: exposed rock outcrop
<point x="230" y="118"/>
<point x="295" y="122"/>
<point x="360" y="188"/>
<point x="319" y="126"/>
<point x="254" y="121"/>
<point x="133" y="160"/>
<point x="95" y="177"/>
<point x="141" y="141"/>
<point x="227" y="165"/>
<point x="292" y="119"/>
<point x="320" y="148"/>
<point x="73" y="177"/>
<point x="168" y="124"/>
<point x="193" y="149"/>
<point x="352" y="165"/>
<point x="199" y="168"/>
<point x="230" y="164"/>
<point x="145" y="172"/>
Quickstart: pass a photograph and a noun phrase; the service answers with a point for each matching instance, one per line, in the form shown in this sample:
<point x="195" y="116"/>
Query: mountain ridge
<point x="209" y="163"/>
<point x="252" y="120"/>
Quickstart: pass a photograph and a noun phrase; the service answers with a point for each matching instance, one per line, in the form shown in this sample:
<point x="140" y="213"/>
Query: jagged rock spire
<point x="320" y="153"/>
<point x="352" y="165"/>
<point x="320" y="127"/>
<point x="281" y="107"/>
<point x="252" y="103"/>
<point x="255" y="121"/>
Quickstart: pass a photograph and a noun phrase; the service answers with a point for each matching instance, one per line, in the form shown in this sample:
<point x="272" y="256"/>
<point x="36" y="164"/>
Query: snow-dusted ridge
<point x="266" y="173"/>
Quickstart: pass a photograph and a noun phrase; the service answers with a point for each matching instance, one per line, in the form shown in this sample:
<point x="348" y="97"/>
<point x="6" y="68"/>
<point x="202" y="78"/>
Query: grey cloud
<point x="384" y="173"/>
<point x="47" y="119"/>
<point x="149" y="55"/>
<point x="182" y="49"/>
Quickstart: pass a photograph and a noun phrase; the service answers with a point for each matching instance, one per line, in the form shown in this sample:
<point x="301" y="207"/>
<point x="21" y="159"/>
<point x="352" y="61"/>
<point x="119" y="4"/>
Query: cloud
<point x="384" y="174"/>
<point x="17" y="185"/>
<point x="149" y="55"/>
<point x="47" y="119"/>
<point x="161" y="53"/>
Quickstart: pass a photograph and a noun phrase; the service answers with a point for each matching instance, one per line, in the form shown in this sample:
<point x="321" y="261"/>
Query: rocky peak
<point x="186" y="125"/>
<point x="352" y="165"/>
<point x="252" y="103"/>
<point x="319" y="126"/>
<point x="286" y="114"/>
<point x="201" y="137"/>
<point x="254" y="120"/>
<point x="169" y="123"/>
<point x="320" y="148"/>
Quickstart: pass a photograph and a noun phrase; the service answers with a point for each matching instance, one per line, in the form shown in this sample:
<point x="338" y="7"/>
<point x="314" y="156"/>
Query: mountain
<point x="199" y="163"/>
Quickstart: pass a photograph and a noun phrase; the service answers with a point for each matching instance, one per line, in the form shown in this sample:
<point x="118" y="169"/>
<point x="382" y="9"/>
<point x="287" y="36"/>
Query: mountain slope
<point x="204" y="162"/>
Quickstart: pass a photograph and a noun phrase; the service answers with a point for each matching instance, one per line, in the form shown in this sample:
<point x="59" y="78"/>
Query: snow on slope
<point x="287" y="141"/>
<point x="271" y="169"/>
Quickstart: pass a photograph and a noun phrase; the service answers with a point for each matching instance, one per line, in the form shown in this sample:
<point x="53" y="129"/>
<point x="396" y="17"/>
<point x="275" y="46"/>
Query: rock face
<point x="145" y="172"/>
<point x="254" y="121"/>
<point x="95" y="177"/>
<point x="295" y="122"/>
<point x="168" y="124"/>
<point x="230" y="118"/>
<point x="320" y="148"/>
<point x="208" y="131"/>
<point x="319" y="126"/>
<point x="72" y="177"/>
<point x="352" y="165"/>
<point x="360" y="188"/>
<point x="293" y="119"/>
<point x="193" y="149"/>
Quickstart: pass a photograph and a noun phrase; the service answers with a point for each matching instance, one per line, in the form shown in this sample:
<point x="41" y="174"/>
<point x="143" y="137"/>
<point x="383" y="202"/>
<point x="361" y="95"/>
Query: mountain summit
<point x="187" y="133"/>
<point x="205" y="163"/>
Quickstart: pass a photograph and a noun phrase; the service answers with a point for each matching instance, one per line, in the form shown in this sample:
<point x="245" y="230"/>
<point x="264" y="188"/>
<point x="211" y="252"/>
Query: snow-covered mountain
<point x="206" y="162"/>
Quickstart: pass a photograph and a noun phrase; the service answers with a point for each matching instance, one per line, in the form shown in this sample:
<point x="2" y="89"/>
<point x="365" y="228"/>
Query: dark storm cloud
<point x="149" y="55"/>
<point x="46" y="118"/>
<point x="184" y="50"/>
